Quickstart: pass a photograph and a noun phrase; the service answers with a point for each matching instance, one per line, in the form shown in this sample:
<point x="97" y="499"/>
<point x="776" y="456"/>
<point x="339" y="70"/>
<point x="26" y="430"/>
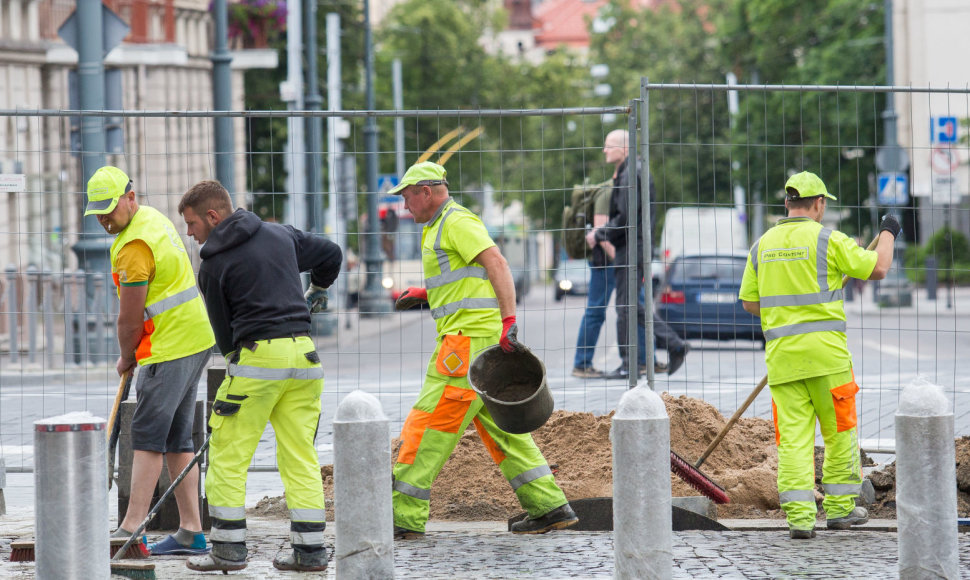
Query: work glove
<point x="509" y="342"/>
<point x="410" y="298"/>
<point x="890" y="224"/>
<point x="316" y="298"/>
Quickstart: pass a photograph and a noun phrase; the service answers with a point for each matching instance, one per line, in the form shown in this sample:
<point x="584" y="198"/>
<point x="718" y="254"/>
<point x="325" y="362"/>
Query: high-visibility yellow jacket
<point x="795" y="271"/>
<point x="459" y="292"/>
<point x="176" y="323"/>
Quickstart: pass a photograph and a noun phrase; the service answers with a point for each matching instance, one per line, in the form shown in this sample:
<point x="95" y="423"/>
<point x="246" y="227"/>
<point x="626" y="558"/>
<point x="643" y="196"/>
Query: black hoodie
<point x="250" y="278"/>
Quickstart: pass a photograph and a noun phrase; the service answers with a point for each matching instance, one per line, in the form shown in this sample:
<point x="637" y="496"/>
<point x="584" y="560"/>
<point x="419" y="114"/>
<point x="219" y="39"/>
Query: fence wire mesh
<point x="718" y="161"/>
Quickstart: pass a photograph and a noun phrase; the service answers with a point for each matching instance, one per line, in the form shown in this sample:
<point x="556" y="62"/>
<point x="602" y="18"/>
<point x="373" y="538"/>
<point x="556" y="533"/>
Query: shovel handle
<point x="757" y="390"/>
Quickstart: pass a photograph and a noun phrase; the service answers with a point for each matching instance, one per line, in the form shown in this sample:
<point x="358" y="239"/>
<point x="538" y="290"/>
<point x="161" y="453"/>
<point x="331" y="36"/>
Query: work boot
<point x="225" y="556"/>
<point x="797" y="534"/>
<point x="561" y="517"/>
<point x="406" y="534"/>
<point x="856" y="517"/>
<point x="302" y="559"/>
<point x="677" y="358"/>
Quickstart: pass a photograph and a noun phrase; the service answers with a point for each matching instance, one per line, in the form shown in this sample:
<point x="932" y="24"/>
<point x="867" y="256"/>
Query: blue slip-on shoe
<point x="170" y="547"/>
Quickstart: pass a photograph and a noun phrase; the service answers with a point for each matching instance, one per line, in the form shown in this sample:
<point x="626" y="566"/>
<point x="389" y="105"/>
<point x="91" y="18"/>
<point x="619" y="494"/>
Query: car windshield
<point x="722" y="268"/>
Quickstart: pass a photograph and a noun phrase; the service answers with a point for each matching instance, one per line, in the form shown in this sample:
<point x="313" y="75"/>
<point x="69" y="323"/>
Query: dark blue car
<point x="699" y="298"/>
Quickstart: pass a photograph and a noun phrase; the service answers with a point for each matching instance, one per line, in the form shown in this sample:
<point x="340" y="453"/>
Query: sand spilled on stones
<point x="470" y="486"/>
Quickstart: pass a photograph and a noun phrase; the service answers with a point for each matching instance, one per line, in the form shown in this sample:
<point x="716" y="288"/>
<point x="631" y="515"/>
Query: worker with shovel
<point x="469" y="288"/>
<point x="163" y="327"/>
<point x="250" y="279"/>
<point x="793" y="281"/>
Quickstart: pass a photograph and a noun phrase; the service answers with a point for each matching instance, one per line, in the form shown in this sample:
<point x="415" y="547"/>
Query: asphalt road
<point x="387" y="357"/>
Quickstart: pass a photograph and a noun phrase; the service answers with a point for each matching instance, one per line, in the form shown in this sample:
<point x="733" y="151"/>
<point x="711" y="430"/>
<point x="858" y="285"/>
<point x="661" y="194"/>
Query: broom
<point x="136" y="535"/>
<point x="754" y="394"/>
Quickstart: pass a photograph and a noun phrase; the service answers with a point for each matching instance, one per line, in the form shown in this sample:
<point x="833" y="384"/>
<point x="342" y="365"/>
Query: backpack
<point x="577" y="217"/>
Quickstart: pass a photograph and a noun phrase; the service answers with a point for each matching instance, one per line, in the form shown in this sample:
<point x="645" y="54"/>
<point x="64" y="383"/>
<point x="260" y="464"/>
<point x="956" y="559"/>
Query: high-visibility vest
<point x="176" y="323"/>
<point x="460" y="295"/>
<point x="800" y="291"/>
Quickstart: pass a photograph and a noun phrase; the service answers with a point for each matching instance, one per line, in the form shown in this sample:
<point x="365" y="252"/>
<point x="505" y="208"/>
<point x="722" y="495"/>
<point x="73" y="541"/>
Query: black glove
<point x="890" y="224"/>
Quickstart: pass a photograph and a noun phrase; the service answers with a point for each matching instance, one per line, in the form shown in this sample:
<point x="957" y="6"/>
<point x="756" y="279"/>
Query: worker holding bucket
<point x="471" y="294"/>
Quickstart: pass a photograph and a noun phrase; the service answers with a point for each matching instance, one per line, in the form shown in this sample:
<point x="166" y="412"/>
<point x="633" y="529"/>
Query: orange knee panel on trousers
<point x="447" y="417"/>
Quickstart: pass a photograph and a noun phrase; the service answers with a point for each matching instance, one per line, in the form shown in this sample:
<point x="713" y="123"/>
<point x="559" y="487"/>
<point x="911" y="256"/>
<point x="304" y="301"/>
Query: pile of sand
<point x="577" y="445"/>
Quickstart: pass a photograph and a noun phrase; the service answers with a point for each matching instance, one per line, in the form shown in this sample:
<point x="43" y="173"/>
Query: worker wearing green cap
<point x="162" y="327"/>
<point x="469" y="288"/>
<point x="793" y="281"/>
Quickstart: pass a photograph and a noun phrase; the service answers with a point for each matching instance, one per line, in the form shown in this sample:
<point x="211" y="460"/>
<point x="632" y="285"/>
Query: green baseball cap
<point x="105" y="187"/>
<point x="424" y="173"/>
<point x="806" y="184"/>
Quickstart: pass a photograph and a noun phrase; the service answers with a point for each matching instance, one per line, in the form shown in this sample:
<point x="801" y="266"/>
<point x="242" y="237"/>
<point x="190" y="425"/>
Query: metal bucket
<point x="513" y="387"/>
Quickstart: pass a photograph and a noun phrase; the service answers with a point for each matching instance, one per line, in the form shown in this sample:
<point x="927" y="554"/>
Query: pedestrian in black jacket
<point x="615" y="232"/>
<point x="250" y="280"/>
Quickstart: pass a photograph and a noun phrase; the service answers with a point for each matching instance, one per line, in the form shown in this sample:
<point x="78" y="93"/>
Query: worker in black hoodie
<point x="250" y="279"/>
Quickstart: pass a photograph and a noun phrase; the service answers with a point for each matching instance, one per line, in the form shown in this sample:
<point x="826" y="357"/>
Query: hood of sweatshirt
<point x="235" y="230"/>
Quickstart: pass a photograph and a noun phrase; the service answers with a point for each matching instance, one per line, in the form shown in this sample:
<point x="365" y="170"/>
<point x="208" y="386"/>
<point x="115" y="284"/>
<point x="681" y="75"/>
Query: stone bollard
<point x="71" y="497"/>
<point x="926" y="489"/>
<point x="363" y="513"/>
<point x="642" y="536"/>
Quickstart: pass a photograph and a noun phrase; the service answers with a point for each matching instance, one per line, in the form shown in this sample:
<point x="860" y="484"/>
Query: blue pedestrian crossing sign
<point x="892" y="189"/>
<point x="943" y="130"/>
<point x="386" y="182"/>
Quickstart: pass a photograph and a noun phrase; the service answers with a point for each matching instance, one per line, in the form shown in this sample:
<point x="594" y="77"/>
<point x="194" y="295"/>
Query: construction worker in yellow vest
<point x="793" y="281"/>
<point x="469" y="289"/>
<point x="162" y="327"/>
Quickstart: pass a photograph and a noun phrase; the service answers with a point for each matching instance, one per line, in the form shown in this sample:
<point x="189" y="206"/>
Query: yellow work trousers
<point x="280" y="381"/>
<point x="829" y="399"/>
<point x="445" y="407"/>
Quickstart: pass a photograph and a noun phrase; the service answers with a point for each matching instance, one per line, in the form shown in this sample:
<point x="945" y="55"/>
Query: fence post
<point x="70" y="317"/>
<point x="31" y="313"/>
<point x="85" y="348"/>
<point x="100" y="300"/>
<point x="12" y="313"/>
<point x="363" y="513"/>
<point x="47" y="285"/>
<point x="926" y="490"/>
<point x="931" y="277"/>
<point x="642" y="512"/>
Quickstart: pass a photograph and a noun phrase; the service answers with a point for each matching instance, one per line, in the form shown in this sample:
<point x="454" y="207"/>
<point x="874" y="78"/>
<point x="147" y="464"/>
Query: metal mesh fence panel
<point x="718" y="172"/>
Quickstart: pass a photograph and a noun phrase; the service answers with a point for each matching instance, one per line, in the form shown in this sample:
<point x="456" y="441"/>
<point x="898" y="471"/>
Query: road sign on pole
<point x="943" y="130"/>
<point x="893" y="189"/>
<point x="386" y="182"/>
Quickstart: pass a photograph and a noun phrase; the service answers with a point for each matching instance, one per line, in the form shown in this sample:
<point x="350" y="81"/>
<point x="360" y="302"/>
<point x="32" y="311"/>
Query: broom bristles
<point x="696" y="479"/>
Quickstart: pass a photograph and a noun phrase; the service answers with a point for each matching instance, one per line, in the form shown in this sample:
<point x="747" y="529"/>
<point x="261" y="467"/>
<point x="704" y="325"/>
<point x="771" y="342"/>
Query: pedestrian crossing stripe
<point x="453" y="362"/>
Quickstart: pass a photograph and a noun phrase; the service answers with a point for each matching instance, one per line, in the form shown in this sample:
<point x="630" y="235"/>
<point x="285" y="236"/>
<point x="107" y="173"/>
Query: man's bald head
<point x="616" y="147"/>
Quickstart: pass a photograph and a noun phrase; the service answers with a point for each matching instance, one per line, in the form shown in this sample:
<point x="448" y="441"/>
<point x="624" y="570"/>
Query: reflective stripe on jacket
<point x="176" y="323"/>
<point x="459" y="293"/>
<point x="800" y="292"/>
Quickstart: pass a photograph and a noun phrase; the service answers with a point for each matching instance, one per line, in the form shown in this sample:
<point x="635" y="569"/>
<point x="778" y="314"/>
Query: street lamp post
<point x="372" y="300"/>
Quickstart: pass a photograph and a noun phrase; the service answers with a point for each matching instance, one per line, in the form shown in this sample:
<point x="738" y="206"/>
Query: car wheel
<point x="764" y="343"/>
<point x="558" y="295"/>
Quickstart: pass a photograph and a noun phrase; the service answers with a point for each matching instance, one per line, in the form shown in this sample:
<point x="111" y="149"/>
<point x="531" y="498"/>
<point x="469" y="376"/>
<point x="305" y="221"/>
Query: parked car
<point x="571" y="277"/>
<point x="699" y="298"/>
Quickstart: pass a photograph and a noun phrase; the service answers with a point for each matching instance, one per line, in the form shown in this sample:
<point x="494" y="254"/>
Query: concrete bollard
<point x="926" y="490"/>
<point x="71" y="497"/>
<point x="363" y="514"/>
<point x="642" y="532"/>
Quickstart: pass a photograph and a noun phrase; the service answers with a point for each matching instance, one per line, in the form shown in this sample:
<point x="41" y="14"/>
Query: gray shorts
<point x="165" y="410"/>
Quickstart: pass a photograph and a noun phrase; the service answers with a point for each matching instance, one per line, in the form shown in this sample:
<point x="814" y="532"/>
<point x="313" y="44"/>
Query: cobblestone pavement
<point x="473" y="550"/>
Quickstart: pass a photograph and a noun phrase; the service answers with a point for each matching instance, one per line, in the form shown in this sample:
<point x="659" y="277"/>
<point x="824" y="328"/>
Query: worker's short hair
<point x="800" y="202"/>
<point x="206" y="195"/>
